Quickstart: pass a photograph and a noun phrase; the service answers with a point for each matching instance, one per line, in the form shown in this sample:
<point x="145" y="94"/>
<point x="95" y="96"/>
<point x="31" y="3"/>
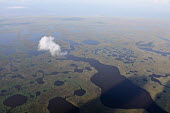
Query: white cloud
<point x="16" y="7"/>
<point x="48" y="44"/>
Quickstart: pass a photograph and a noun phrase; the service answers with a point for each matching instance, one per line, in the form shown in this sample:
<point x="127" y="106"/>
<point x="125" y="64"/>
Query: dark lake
<point x="38" y="93"/>
<point x="79" y="92"/>
<point x="78" y="70"/>
<point x="88" y="68"/>
<point x="58" y="83"/>
<point x="15" y="100"/>
<point x="40" y="80"/>
<point x="61" y="105"/>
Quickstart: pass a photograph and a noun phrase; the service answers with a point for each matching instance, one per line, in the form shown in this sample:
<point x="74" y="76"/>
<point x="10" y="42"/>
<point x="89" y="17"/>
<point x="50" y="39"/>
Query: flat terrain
<point x="139" y="48"/>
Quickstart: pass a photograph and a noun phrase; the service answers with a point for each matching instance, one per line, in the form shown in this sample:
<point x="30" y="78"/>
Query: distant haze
<point x="125" y="8"/>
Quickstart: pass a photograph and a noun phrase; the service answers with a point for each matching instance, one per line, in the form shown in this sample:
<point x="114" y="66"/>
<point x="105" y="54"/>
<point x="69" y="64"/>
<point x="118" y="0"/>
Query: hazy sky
<point x="126" y="8"/>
